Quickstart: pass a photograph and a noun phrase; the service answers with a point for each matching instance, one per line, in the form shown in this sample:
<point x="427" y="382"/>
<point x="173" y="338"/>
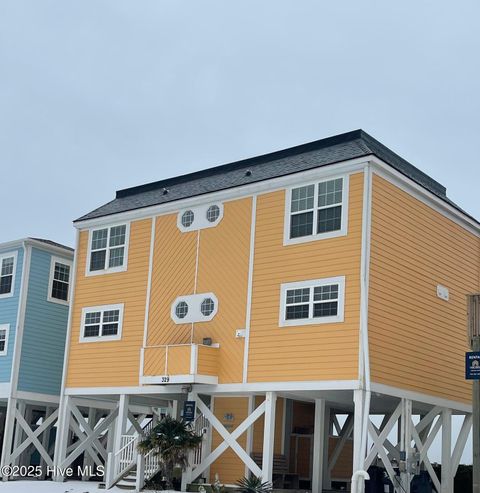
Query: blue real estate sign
<point x="472" y="365"/>
<point x="189" y="410"/>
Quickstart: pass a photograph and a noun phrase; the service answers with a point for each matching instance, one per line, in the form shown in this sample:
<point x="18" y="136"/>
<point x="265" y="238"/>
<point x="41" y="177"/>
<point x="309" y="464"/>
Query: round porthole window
<point x="181" y="309"/>
<point x="187" y="218"/>
<point x="207" y="307"/>
<point x="213" y="213"/>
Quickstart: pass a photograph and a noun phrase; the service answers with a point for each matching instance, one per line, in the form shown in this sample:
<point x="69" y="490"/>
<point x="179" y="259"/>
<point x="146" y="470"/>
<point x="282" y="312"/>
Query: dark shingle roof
<point x="316" y="154"/>
<point x="53" y="243"/>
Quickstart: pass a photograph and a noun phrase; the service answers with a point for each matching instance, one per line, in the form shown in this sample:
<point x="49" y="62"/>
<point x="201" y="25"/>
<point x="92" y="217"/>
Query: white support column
<point x="249" y="441"/>
<point x="63" y="429"/>
<point x="326" y="479"/>
<point x="360" y="431"/>
<point x="8" y="433"/>
<point x="46" y="440"/>
<point x="187" y="473"/>
<point x="405" y="440"/>
<point x="87" y="459"/>
<point x="18" y="438"/>
<point x="268" y="436"/>
<point x="447" y="479"/>
<point x="319" y="434"/>
<point x="122" y="418"/>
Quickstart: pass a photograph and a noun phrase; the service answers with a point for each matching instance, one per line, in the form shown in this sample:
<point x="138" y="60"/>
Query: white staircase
<point x="123" y="466"/>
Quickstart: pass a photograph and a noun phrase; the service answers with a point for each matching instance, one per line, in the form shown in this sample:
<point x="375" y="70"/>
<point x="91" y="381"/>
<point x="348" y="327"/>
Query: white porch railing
<point x="200" y="426"/>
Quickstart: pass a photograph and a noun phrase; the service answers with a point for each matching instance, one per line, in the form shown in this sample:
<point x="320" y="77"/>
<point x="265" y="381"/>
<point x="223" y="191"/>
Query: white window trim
<point x="200" y="220"/>
<point x="194" y="302"/>
<point x="63" y="261"/>
<point x="102" y="308"/>
<point x="108" y="270"/>
<point x="13" y="254"/>
<point x="5" y="327"/>
<point x="321" y="236"/>
<point x="340" y="280"/>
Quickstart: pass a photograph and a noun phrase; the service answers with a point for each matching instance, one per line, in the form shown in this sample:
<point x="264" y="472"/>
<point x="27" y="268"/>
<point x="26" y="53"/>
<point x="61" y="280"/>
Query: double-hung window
<point x="312" y="302"/>
<point x="317" y="210"/>
<point x="4" y="330"/>
<point x="7" y="274"/>
<point x="108" y="249"/>
<point x="102" y="323"/>
<point x="59" y="284"/>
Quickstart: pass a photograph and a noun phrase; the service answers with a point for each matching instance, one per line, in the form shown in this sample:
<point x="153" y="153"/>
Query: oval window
<point x="207" y="307"/>
<point x="213" y="213"/>
<point x="181" y="309"/>
<point x="187" y="218"/>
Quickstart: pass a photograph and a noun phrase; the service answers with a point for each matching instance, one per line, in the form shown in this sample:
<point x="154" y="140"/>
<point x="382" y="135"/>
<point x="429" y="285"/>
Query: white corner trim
<point x="5" y="390"/>
<point x="343" y="231"/>
<point x="364" y="354"/>
<point x="248" y="314"/>
<point x="6" y="328"/>
<point x="108" y="270"/>
<point x="4" y="255"/>
<point x="102" y="309"/>
<point x="63" y="261"/>
<point x="149" y="285"/>
<point x="22" y="305"/>
<point x="312" y="283"/>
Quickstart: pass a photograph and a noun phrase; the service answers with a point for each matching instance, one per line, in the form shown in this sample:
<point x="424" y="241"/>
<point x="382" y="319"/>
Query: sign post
<point x="472" y="371"/>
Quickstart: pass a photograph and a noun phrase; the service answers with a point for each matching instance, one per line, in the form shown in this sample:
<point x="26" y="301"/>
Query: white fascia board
<point x="351" y="166"/>
<point x="38" y="244"/>
<point x="233" y="388"/>
<point x="264" y="186"/>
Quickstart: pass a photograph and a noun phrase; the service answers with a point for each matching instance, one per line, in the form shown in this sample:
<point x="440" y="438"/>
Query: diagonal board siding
<point x="8" y="315"/>
<point x="173" y="275"/>
<point x="311" y="352"/>
<point x="44" y="332"/>
<point x="111" y="363"/>
<point x="223" y="257"/>
<point x="417" y="341"/>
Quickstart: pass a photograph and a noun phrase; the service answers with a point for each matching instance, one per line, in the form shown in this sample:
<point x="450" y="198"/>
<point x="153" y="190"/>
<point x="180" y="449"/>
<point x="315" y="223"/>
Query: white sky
<point x="101" y="95"/>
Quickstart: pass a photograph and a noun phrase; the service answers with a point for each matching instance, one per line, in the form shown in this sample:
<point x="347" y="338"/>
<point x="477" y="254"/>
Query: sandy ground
<point x="53" y="487"/>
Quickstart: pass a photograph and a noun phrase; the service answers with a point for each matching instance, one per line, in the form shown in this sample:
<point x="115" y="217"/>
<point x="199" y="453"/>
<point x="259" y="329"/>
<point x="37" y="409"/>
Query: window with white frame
<point x="108" y="249"/>
<point x="317" y="209"/>
<point x="59" y="284"/>
<point x="312" y="302"/>
<point x="7" y="274"/>
<point x="4" y="330"/>
<point x="102" y="323"/>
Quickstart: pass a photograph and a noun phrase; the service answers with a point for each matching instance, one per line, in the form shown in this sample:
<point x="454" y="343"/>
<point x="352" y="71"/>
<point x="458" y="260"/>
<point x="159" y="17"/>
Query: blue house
<point x="35" y="280"/>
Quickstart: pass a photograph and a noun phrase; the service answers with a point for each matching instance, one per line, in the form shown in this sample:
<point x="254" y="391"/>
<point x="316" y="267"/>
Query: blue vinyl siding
<point x="43" y="345"/>
<point x="8" y="315"/>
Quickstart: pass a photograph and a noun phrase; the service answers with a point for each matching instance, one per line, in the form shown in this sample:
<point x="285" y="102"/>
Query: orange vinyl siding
<point x="155" y="361"/>
<point x="207" y="363"/>
<point x="418" y="341"/>
<point x="223" y="258"/>
<point x="309" y="352"/>
<point x="228" y="466"/>
<point x="112" y="363"/>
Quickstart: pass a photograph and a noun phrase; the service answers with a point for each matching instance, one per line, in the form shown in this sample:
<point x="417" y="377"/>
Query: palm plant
<point x="253" y="484"/>
<point x="171" y="440"/>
